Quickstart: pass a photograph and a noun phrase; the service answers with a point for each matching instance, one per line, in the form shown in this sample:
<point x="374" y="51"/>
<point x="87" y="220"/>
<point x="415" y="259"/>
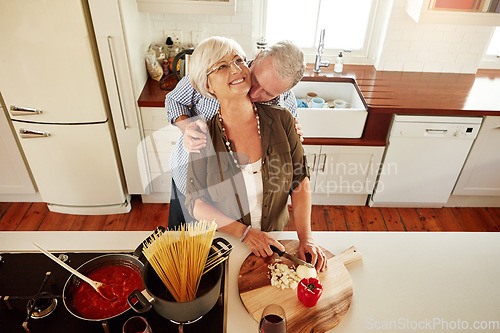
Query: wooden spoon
<point x="102" y="289"/>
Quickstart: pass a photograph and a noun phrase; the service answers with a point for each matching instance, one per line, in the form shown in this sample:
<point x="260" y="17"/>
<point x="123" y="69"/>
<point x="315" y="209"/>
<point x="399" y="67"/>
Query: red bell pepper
<point x="309" y="291"/>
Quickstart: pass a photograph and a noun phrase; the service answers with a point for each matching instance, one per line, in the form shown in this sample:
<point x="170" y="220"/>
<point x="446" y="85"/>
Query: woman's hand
<point x="318" y="257"/>
<point x="259" y="241"/>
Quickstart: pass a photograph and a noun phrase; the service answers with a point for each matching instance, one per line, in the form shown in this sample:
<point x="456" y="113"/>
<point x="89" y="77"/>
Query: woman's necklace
<point x="228" y="142"/>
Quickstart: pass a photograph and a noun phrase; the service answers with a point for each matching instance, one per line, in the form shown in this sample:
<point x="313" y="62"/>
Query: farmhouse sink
<point x="331" y="122"/>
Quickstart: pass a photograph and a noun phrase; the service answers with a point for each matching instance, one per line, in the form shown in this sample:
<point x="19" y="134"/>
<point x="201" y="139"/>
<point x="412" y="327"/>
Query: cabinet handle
<point x="29" y="134"/>
<point x="436" y="131"/>
<point x="19" y="110"/>
<point x="110" y="47"/>
<point x="314" y="163"/>
<point x="324" y="162"/>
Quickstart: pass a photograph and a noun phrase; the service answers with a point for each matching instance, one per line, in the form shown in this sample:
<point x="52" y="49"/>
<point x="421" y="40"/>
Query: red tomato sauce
<point x="123" y="280"/>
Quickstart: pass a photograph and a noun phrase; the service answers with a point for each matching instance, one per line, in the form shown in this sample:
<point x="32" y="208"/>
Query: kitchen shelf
<point x="420" y="12"/>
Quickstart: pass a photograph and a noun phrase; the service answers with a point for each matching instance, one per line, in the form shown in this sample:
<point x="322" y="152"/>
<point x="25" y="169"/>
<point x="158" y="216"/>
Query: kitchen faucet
<point x="318" y="63"/>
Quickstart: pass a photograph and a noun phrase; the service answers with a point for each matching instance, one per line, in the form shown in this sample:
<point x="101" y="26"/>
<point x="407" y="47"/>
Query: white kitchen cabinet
<point x="216" y="7"/>
<point x="339" y="174"/>
<point x="422" y="11"/>
<point x="312" y="154"/>
<point x="342" y="174"/>
<point x="160" y="140"/>
<point x="481" y="173"/>
<point x="15" y="180"/>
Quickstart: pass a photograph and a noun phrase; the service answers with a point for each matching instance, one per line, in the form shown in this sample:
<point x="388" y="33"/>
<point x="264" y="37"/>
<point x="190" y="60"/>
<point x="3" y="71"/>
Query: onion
<point x="305" y="272"/>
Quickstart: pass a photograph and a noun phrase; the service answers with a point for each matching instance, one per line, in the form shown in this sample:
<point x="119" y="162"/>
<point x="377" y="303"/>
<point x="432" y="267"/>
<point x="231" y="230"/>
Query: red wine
<point x="272" y="324"/>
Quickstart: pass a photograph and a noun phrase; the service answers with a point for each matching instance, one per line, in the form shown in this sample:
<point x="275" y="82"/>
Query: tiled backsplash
<point x="238" y="27"/>
<point x="407" y="46"/>
<point x="413" y="47"/>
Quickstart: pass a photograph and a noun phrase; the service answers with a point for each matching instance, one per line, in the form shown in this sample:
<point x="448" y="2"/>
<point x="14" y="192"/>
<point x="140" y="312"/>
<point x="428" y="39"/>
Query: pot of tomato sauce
<point x="121" y="271"/>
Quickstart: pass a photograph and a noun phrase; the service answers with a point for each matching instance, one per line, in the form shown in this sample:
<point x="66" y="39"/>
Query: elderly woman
<point x="253" y="161"/>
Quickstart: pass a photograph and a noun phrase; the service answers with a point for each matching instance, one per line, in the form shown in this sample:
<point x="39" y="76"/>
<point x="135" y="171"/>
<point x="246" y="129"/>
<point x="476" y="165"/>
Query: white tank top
<point x="252" y="174"/>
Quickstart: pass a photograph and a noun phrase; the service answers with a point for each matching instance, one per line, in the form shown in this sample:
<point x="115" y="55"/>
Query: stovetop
<point x="21" y="274"/>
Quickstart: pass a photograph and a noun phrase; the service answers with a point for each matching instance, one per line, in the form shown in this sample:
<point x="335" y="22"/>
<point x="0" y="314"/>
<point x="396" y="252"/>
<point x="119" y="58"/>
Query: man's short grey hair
<point x="288" y="61"/>
<point x="205" y="56"/>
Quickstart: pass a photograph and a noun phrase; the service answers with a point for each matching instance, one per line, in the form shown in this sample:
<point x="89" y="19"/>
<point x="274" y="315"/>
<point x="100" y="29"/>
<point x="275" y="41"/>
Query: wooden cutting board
<point x="256" y="291"/>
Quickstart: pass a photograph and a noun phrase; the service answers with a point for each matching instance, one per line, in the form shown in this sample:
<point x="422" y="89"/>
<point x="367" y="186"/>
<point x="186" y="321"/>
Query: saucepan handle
<point x="138" y="250"/>
<point x="138" y="302"/>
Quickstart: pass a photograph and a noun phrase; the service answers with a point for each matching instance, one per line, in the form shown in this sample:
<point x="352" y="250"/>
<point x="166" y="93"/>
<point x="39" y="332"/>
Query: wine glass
<point x="137" y="324"/>
<point x="273" y="320"/>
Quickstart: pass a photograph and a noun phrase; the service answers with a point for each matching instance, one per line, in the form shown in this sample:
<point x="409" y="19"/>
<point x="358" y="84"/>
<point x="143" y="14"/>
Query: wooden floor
<point x="35" y="216"/>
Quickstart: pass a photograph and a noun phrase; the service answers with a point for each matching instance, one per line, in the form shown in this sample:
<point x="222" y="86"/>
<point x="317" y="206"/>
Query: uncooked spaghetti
<point x="179" y="257"/>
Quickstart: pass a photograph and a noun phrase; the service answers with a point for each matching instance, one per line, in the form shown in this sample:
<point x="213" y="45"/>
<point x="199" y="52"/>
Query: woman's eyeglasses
<point x="238" y="62"/>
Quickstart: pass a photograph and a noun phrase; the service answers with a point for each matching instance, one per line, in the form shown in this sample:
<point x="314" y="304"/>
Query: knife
<point x="289" y="256"/>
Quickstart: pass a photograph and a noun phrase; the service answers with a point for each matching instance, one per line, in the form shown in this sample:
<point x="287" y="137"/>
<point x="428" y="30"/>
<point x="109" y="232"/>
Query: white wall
<point x="404" y="46"/>
<point x="138" y="38"/>
<point x="417" y="47"/>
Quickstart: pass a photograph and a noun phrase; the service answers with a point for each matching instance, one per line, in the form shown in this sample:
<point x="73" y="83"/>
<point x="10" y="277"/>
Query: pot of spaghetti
<point x="173" y="288"/>
<point x="121" y="271"/>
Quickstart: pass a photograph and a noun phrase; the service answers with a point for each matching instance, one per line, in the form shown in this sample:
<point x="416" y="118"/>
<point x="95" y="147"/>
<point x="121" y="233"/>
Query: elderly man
<point x="274" y="72"/>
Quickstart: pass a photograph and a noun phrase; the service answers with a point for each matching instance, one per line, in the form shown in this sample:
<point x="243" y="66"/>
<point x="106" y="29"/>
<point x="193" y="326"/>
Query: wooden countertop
<point x="421" y="93"/>
<point x="394" y="92"/>
<point x="152" y="95"/>
<point x="388" y="93"/>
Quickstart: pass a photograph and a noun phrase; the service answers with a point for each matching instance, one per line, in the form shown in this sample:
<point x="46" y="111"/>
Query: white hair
<point x="205" y="56"/>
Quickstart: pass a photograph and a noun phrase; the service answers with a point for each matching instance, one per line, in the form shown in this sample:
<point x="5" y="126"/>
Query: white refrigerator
<point x="52" y="85"/>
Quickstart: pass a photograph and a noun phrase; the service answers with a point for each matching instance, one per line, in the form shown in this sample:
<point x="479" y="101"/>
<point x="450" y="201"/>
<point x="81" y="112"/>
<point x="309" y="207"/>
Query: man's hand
<point x="259" y="241"/>
<point x="194" y="133"/>
<point x="298" y="129"/>
<point x="195" y="137"/>
<point x="318" y="257"/>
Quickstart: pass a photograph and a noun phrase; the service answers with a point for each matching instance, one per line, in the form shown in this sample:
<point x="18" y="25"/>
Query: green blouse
<point x="214" y="178"/>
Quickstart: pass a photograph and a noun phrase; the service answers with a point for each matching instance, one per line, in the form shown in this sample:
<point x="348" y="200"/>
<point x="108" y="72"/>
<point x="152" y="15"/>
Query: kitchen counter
<point x="396" y="92"/>
<point x="409" y="281"/>
<point x="421" y="93"/>
<point x="388" y="93"/>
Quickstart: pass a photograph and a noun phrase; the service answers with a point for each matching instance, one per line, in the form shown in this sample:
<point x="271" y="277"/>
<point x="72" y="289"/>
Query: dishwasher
<point x="423" y="159"/>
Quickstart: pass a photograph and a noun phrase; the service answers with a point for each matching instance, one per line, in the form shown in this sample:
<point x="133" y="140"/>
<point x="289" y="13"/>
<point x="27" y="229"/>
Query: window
<point x="347" y="24"/>
<point x="491" y="58"/>
<point x="494" y="48"/>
